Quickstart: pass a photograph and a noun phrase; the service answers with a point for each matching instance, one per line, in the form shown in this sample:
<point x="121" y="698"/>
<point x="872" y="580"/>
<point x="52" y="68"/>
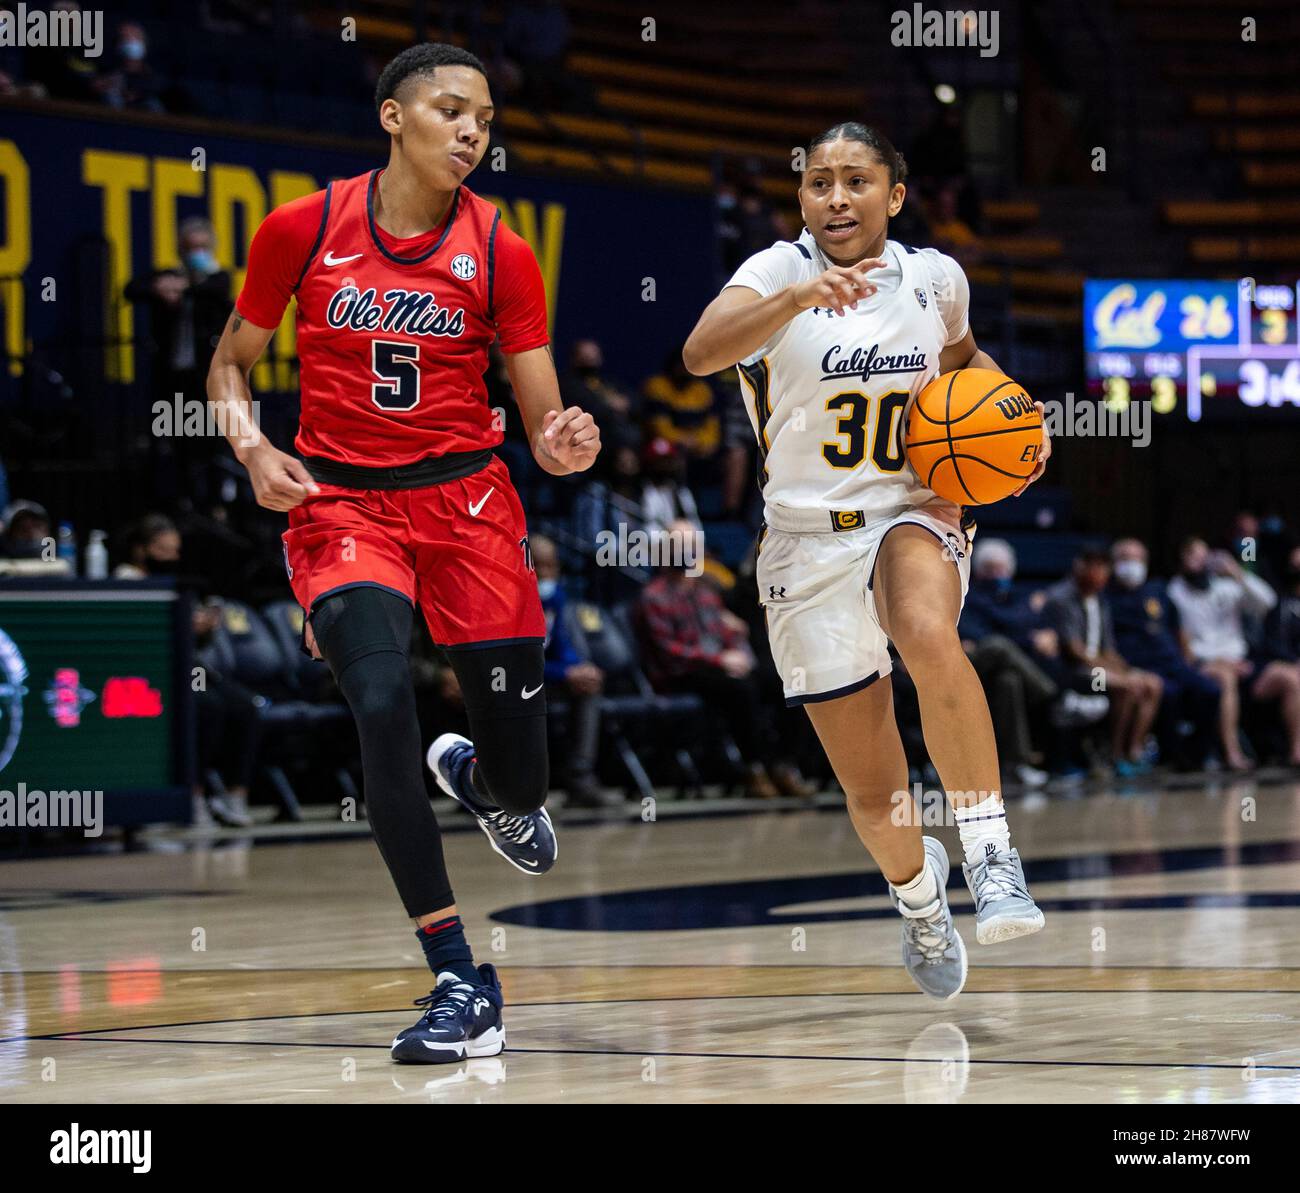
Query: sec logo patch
<point x="464" y="267"/>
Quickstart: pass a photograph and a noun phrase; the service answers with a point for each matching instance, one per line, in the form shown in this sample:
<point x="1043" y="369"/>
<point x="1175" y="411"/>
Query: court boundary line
<point x="759" y="1056"/>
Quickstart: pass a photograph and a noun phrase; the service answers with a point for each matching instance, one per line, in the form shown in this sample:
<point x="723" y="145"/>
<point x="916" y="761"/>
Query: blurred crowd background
<point x="1171" y="571"/>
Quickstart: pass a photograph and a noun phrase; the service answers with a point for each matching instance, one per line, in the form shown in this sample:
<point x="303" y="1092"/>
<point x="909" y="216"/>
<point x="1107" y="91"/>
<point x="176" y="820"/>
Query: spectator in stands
<point x="151" y="547"/>
<point x="683" y="409"/>
<point x="1246" y="543"/>
<point x="664" y="495"/>
<point x="188" y="306"/>
<point x="739" y="452"/>
<point x="132" y="84"/>
<point x="603" y="504"/>
<point x="1214" y="594"/>
<point x="993" y="608"/>
<point x="692" y="643"/>
<point x="1013" y="681"/>
<point x="64" y="72"/>
<point x="535" y="34"/>
<point x="1282" y="638"/>
<point x="1148" y="635"/>
<point x="228" y="715"/>
<point x="27" y="530"/>
<point x="1078" y="610"/>
<point x="948" y="231"/>
<point x="571" y="678"/>
<point x="615" y="411"/>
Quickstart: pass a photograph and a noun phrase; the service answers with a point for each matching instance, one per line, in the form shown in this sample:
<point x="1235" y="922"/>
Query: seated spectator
<point x="948" y="231"/>
<point x="152" y="547"/>
<point x="1214" y="594"/>
<point x="227" y="714"/>
<point x="692" y="643"/>
<point x="1282" y="638"/>
<point x="615" y="411"/>
<point x="1147" y="634"/>
<point x="28" y="533"/>
<point x="1013" y="681"/>
<point x="602" y="505"/>
<point x="994" y="611"/>
<point x="664" y="495"/>
<point x="1079" y="612"/>
<point x="64" y="72"/>
<point x="683" y="409"/>
<point x="132" y="83"/>
<point x="575" y="679"/>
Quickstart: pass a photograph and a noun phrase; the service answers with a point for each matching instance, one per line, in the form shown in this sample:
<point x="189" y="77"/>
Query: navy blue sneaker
<point x="526" y="842"/>
<point x="460" y="1021"/>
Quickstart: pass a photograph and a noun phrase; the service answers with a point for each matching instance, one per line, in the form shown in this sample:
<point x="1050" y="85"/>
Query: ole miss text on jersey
<point x="393" y="334"/>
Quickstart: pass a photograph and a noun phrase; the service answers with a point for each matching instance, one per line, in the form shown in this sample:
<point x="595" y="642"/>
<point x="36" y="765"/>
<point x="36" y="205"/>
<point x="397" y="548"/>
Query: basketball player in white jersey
<point x="835" y="334"/>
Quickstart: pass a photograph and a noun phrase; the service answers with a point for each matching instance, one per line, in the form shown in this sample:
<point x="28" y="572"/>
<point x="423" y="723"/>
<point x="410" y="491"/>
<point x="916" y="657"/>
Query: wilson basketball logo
<point x="1014" y="406"/>
<point x="464" y="266"/>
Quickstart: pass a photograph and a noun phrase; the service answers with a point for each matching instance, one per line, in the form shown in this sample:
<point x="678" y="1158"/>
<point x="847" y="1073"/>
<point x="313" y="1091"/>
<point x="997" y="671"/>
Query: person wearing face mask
<point x="187" y="305"/>
<point x="28" y="536"/>
<point x="1149" y="634"/>
<point x="1214" y="596"/>
<point x="132" y="84"/>
<point x="574" y="679"/>
<point x="1079" y="611"/>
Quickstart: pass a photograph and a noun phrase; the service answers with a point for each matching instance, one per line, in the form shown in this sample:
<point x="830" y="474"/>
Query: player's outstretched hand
<point x="280" y="481"/>
<point x="839" y="287"/>
<point x="1044" y="453"/>
<point x="571" y="437"/>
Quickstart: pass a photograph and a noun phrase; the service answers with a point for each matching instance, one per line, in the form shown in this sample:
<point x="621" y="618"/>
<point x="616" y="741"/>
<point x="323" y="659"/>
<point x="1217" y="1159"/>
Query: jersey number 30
<point x="398" y="367"/>
<point x="886" y="441"/>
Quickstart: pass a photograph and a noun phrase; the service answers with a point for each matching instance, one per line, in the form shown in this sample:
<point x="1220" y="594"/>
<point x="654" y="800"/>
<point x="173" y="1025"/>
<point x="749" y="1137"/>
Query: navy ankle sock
<point x="446" y="949"/>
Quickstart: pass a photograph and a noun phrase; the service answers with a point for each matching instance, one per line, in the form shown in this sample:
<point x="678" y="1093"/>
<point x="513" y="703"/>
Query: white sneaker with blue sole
<point x="527" y="842"/>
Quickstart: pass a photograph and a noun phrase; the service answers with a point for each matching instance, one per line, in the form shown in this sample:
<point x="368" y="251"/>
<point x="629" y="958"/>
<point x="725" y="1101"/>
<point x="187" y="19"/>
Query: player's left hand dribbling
<point x="1044" y="454"/>
<point x="571" y="437"/>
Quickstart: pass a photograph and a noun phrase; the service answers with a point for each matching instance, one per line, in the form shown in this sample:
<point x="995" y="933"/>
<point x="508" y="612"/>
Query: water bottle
<point x="66" y="548"/>
<point x="97" y="556"/>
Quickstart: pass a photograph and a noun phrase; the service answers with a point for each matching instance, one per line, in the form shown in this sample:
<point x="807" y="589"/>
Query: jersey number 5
<point x="398" y="366"/>
<point x="887" y="441"/>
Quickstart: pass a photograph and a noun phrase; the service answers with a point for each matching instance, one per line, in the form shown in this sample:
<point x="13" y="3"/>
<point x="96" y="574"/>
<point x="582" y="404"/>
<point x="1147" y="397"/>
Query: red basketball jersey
<point x="393" y="334"/>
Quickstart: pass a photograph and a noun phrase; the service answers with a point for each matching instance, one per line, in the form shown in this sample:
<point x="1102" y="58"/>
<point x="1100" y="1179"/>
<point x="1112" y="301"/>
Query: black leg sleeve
<point x="505" y="699"/>
<point x="364" y="634"/>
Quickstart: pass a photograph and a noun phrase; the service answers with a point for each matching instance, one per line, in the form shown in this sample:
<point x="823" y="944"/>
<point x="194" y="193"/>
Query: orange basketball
<point x="973" y="436"/>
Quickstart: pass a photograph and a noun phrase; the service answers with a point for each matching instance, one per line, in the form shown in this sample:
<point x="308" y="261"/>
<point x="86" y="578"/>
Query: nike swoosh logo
<point x="474" y="507"/>
<point x="331" y="259"/>
<point x="527" y="695"/>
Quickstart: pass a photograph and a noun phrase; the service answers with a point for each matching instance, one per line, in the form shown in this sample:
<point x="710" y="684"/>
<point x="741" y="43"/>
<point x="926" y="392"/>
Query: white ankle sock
<point x="921" y="891"/>
<point x="983" y="824"/>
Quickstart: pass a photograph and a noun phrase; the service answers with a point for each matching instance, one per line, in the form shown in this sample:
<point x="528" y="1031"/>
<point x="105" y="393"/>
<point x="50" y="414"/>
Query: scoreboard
<point x="1202" y="350"/>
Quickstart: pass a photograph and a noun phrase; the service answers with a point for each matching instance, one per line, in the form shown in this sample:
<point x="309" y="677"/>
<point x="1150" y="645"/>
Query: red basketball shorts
<point x="458" y="550"/>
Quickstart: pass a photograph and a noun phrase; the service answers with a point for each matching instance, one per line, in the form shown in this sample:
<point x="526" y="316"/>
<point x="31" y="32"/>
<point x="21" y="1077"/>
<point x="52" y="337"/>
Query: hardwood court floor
<point x="694" y="959"/>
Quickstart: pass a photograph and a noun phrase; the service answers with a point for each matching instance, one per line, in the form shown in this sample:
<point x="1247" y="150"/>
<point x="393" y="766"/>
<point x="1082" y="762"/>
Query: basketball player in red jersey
<point x="403" y="278"/>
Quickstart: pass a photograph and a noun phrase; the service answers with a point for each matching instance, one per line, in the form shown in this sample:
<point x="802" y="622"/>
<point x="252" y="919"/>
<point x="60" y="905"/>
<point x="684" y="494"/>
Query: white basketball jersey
<point x="828" y="396"/>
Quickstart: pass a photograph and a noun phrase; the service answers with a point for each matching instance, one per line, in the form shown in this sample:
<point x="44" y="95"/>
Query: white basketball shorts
<point x="821" y="616"/>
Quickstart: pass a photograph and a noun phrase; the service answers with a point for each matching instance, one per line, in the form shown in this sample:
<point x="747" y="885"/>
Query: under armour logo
<point x="774" y="593"/>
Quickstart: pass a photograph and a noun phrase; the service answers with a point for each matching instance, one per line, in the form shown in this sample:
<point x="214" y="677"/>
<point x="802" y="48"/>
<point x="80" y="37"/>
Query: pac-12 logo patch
<point x="920" y="297"/>
<point x="464" y="266"/>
